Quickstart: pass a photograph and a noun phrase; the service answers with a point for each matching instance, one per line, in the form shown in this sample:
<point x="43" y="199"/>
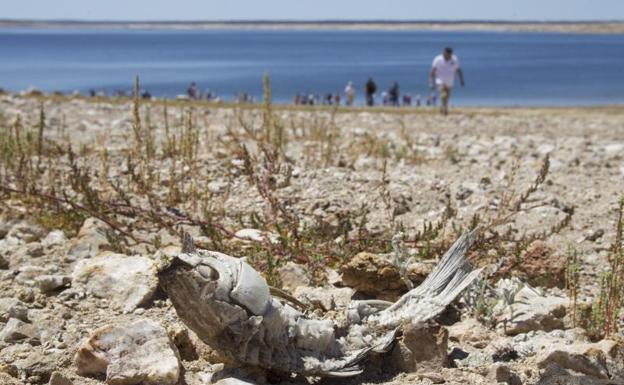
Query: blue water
<point x="500" y="68"/>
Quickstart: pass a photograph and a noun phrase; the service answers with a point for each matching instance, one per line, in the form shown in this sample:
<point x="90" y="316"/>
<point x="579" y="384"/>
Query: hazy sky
<point x="313" y="9"/>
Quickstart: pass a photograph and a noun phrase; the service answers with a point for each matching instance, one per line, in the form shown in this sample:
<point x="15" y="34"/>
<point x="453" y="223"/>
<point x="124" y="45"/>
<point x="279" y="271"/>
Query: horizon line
<point x="315" y="21"/>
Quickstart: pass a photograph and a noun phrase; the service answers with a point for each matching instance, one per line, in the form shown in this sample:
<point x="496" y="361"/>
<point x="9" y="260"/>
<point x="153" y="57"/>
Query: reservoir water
<point x="501" y="68"/>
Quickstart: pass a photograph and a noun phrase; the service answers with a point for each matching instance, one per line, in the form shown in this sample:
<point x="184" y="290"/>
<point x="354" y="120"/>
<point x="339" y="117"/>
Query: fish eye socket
<point x="208" y="272"/>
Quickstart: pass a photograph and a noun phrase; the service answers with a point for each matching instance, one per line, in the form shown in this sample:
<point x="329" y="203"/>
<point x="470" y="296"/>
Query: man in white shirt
<point x="442" y="75"/>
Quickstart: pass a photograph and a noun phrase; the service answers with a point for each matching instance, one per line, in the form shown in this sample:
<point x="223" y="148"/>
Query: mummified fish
<point x="229" y="306"/>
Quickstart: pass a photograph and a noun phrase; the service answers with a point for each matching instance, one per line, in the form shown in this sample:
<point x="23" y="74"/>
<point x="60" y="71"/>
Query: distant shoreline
<point x="611" y="108"/>
<point x="596" y="27"/>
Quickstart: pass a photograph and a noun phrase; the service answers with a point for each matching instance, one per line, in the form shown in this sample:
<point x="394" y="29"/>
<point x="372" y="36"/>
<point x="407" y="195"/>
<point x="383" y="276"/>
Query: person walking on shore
<point x="442" y="76"/>
<point x="394" y="94"/>
<point x="350" y="93"/>
<point x="371" y="88"/>
<point x="193" y="91"/>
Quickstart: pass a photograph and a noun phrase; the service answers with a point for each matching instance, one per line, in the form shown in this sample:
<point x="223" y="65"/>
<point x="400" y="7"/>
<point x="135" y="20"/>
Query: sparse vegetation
<point x="573" y="269"/>
<point x="162" y="180"/>
<point x="605" y="311"/>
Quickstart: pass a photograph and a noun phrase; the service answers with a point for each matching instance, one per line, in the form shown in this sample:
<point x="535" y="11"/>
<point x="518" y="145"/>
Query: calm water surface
<point x="500" y="68"/>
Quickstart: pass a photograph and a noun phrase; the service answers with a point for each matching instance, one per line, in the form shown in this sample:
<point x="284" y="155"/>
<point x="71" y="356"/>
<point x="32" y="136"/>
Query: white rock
<point x="8" y="244"/>
<point x="28" y="274"/>
<point x="614" y="148"/>
<point x="604" y="359"/>
<point x="500" y="373"/>
<point x="5" y="227"/>
<point x="532" y="310"/>
<point x="292" y="276"/>
<point x="89" y="241"/>
<point x="423" y="347"/>
<point x="37" y="364"/>
<point x="48" y="282"/>
<point x="470" y="331"/>
<point x="26" y="232"/>
<point x="54" y="238"/>
<point x="58" y="378"/>
<point x="233" y="381"/>
<point x="333" y="277"/>
<point x="16" y="330"/>
<point x="326" y="298"/>
<point x="138" y="353"/>
<point x="532" y="343"/>
<point x="545" y="149"/>
<point x="216" y="186"/>
<point x="13" y="308"/>
<point x="256" y="235"/>
<point x="32" y="250"/>
<point x="127" y="281"/>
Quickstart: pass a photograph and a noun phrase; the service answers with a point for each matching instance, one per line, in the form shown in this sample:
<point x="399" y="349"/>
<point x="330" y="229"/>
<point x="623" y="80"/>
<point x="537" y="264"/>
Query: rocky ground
<point x="75" y="310"/>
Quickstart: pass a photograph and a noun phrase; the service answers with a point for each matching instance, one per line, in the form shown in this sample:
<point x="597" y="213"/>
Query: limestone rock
<point x="333" y="277"/>
<point x="137" y="353"/>
<point x="434" y="377"/>
<point x="25" y="251"/>
<point x="13" y="308"/>
<point x="532" y="310"/>
<point x="233" y="381"/>
<point x="164" y="255"/>
<point x="4" y="264"/>
<point x="595" y="235"/>
<point x="91" y="239"/>
<point x="556" y="375"/>
<point x="7" y="377"/>
<point x="604" y="359"/>
<point x="5" y="227"/>
<point x="292" y="276"/>
<point x="28" y="274"/>
<point x="47" y="282"/>
<point x="32" y="250"/>
<point x="373" y="276"/>
<point x="536" y="342"/>
<point x="326" y="298"/>
<point x="16" y="330"/>
<point x="54" y="238"/>
<point x="498" y="373"/>
<point x="183" y="341"/>
<point x="471" y="332"/>
<point x="255" y="235"/>
<point x="8" y="246"/>
<point x="26" y="232"/>
<point x="191" y="348"/>
<point x="58" y="378"/>
<point x="423" y="348"/>
<point x="37" y="366"/>
<point x="128" y="282"/>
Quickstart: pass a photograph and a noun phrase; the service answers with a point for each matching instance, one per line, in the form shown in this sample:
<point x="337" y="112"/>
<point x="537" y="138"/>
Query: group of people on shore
<point x="444" y="69"/>
<point x="193" y="92"/>
<point x="441" y="79"/>
<point x="391" y="97"/>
